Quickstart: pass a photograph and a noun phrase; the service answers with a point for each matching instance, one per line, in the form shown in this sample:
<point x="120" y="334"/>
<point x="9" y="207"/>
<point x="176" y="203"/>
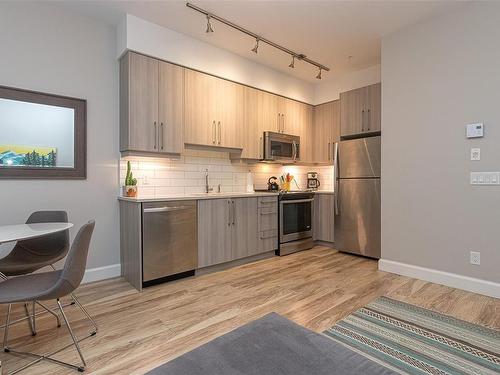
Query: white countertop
<point x="200" y="196"/>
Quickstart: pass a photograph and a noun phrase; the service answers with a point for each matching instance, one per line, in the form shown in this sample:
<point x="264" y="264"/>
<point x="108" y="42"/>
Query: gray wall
<point x="437" y="77"/>
<point x="47" y="49"/>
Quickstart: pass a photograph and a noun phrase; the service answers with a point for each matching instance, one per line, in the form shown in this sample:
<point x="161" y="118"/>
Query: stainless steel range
<point x="295" y="222"/>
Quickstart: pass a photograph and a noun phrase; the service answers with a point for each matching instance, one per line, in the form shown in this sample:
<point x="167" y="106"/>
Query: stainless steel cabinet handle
<point x="214" y="132"/>
<point x="329" y="150"/>
<point x="268" y="213"/>
<point x="162" y="132"/>
<point x="166" y="209"/>
<point x="270" y="201"/>
<point x="156" y="135"/>
<point x="368" y="118"/>
<point x="228" y="213"/>
<point x="220" y="136"/>
<point x="279" y="123"/>
<point x="363" y="120"/>
<point x="261" y="147"/>
<point x="234" y="212"/>
<point x="271" y="235"/>
<point x="282" y="122"/>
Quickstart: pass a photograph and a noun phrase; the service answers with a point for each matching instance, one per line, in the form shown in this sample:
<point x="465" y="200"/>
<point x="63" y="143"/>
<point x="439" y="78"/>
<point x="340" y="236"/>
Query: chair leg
<point x="85" y="312"/>
<point x="73" y="337"/>
<point x="6" y="331"/>
<point x="50" y="311"/>
<point x="30" y="319"/>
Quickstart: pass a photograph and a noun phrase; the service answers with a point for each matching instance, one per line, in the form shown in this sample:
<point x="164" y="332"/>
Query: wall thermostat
<point x="475" y="130"/>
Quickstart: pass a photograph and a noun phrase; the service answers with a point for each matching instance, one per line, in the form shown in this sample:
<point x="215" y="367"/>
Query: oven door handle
<point x="298" y="201"/>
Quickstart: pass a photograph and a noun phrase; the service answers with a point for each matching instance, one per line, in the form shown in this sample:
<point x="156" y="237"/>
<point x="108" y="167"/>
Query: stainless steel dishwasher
<point x="170" y="241"/>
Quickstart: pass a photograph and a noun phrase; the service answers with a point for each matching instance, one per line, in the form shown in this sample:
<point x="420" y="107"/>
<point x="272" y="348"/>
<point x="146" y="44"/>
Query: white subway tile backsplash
<point x="186" y="174"/>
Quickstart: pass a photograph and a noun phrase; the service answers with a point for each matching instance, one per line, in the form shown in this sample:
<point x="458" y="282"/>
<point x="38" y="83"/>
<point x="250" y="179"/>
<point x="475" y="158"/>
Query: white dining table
<point x="18" y="232"/>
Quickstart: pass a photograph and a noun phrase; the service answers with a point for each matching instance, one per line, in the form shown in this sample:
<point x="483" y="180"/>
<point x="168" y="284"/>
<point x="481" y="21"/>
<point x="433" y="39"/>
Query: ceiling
<point x="343" y="35"/>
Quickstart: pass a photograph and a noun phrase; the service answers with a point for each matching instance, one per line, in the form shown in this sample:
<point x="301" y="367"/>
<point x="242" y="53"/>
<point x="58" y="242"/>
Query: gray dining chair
<point x="49" y="286"/>
<point x="31" y="255"/>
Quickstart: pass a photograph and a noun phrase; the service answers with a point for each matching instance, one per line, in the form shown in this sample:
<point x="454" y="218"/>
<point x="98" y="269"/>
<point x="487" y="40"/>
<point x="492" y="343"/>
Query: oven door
<point x="295" y="219"/>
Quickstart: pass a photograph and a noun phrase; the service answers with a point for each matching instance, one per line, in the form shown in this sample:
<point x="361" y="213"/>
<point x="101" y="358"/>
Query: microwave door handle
<point x="294" y="150"/>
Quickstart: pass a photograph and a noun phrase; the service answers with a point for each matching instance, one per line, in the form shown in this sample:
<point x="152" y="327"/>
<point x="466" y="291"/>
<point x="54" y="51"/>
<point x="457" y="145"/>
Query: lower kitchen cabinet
<point x="228" y="229"/>
<point x="324" y="213"/>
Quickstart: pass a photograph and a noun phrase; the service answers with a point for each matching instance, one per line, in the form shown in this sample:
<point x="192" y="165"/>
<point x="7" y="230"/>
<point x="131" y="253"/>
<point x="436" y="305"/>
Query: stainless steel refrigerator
<point x="357" y="196"/>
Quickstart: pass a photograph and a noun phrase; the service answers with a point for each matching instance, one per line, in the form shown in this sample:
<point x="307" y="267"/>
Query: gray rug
<point x="271" y="345"/>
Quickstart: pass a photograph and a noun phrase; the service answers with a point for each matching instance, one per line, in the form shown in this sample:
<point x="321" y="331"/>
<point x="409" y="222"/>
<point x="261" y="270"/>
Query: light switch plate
<point x="475" y="154"/>
<point x="475" y="130"/>
<point x="485" y="178"/>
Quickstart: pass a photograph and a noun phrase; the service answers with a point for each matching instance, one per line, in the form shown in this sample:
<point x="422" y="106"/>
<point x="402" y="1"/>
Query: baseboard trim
<point x="101" y="273"/>
<point x="471" y="284"/>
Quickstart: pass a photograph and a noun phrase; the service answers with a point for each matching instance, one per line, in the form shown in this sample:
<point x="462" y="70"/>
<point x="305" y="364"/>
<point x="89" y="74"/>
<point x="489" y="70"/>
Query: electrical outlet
<point x="475" y="258"/>
<point x="475" y="154"/>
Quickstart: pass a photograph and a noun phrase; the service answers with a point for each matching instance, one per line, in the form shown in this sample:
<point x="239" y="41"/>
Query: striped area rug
<point x="413" y="340"/>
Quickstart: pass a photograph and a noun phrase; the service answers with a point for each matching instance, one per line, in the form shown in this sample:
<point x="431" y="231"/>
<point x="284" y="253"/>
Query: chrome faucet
<point x="208" y="189"/>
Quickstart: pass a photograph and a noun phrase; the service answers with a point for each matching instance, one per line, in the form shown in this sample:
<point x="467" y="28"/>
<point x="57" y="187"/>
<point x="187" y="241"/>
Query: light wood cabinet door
<point x="230" y="113"/>
<point x="245" y="235"/>
<point x="268" y="112"/>
<point x="139" y="103"/>
<point x="171" y="108"/>
<point x="373" y="108"/>
<point x="361" y="110"/>
<point x="324" y="206"/>
<point x="326" y="131"/>
<point x="251" y="131"/>
<point x="352" y="111"/>
<point x="214" y="232"/>
<point x="200" y="108"/>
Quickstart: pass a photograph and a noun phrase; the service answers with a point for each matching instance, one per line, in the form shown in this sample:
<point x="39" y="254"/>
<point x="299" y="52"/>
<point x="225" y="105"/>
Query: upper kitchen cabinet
<point x="360" y="110"/>
<point x="213" y="111"/>
<point x="326" y="131"/>
<point x="252" y="130"/>
<point x="151" y="105"/>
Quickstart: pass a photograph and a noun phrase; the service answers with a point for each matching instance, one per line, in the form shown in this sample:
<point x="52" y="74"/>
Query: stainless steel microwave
<point x="281" y="147"/>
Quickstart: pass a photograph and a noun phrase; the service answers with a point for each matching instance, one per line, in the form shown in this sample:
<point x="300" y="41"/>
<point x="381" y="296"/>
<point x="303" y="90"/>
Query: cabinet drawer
<point x="268" y="202"/>
<point x="268" y="219"/>
<point x="268" y="240"/>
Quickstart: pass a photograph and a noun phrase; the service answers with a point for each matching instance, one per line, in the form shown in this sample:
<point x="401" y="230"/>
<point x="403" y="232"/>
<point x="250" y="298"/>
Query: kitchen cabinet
<point x="326" y="131"/>
<point x="245" y="239"/>
<point x="214" y="232"/>
<point x="268" y="223"/>
<point x="324" y="212"/>
<point x="151" y="105"/>
<point x="213" y="111"/>
<point x="360" y="110"/>
<point x="227" y="230"/>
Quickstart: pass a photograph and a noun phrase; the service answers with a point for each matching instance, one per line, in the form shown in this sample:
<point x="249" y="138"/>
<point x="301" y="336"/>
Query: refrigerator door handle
<point x="336" y="175"/>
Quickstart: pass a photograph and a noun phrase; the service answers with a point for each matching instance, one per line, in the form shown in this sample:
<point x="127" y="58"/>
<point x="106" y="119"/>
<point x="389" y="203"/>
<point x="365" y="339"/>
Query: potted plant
<point x="130" y="188"/>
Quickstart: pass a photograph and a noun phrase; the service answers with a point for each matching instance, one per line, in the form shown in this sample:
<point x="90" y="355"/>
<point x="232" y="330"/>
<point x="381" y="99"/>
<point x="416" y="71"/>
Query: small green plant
<point x="129" y="178"/>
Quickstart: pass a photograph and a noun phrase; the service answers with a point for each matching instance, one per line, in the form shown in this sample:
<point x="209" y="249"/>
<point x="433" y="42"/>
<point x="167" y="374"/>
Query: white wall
<point x="330" y="90"/>
<point x="45" y="48"/>
<point x="151" y="39"/>
<point x="437" y="77"/>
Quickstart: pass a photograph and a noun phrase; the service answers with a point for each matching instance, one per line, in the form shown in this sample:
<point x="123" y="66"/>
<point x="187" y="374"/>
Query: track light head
<point x="254" y="49"/>
<point x="292" y="64"/>
<point x="319" y="74"/>
<point x="209" y="26"/>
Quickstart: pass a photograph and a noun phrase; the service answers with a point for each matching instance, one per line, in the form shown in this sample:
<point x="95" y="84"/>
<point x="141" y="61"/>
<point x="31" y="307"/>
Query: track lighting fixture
<point x="254" y="49"/>
<point x="295" y="55"/>
<point x="319" y="74"/>
<point x="209" y="26"/>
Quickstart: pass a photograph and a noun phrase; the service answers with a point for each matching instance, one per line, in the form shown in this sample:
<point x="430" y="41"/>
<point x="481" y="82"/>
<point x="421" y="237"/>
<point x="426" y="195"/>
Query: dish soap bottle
<point x="249" y="182"/>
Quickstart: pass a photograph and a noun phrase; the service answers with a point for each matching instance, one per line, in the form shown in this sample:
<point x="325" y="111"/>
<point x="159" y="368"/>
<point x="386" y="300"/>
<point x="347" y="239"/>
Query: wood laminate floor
<point x="315" y="288"/>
